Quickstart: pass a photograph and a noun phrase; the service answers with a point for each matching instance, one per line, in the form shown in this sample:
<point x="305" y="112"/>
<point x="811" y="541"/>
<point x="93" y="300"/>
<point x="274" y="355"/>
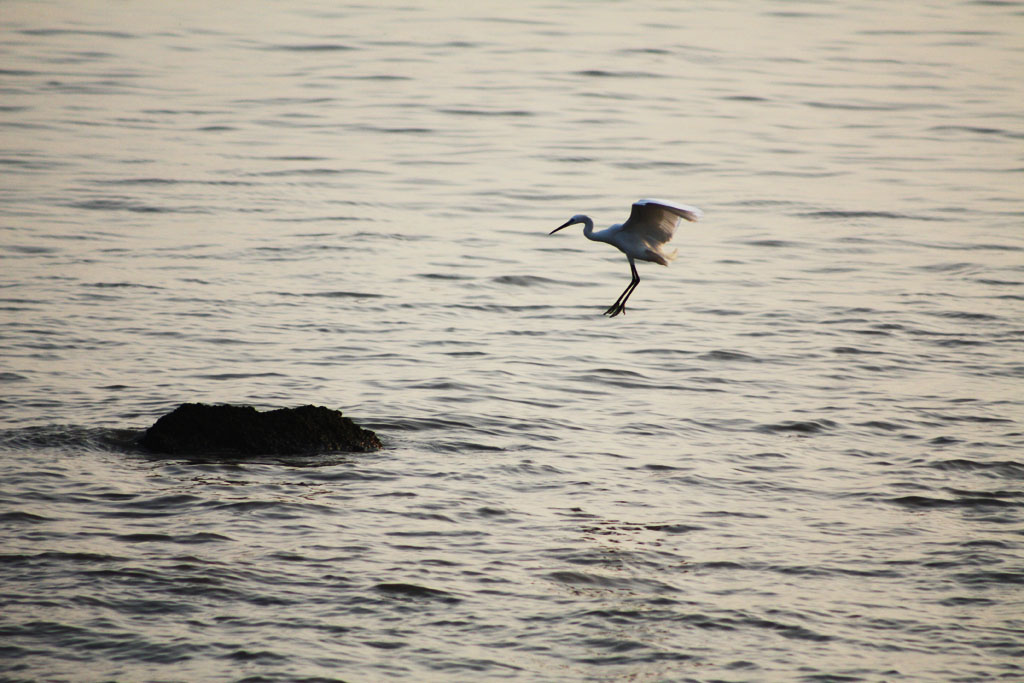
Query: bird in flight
<point x="643" y="236"/>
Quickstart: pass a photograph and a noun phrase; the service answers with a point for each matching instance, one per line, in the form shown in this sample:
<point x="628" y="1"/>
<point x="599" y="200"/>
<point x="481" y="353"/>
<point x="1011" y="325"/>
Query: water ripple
<point x="796" y="457"/>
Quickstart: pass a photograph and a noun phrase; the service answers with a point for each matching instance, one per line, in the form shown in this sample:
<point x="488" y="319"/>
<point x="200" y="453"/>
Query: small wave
<point x="853" y="351"/>
<point x="506" y="308"/>
<point x="189" y="539"/>
<point x="590" y="579"/>
<point x="282" y="100"/>
<point x="604" y="73"/>
<point x="791" y="631"/>
<point x="372" y="77"/>
<point x="992" y="578"/>
<point x="976" y="501"/>
<point x="75" y="32"/>
<point x="978" y="130"/>
<point x="408" y="130"/>
<point x="105" y="285"/>
<point x="320" y="219"/>
<point x="271" y="508"/>
<point x="20" y="517"/>
<point x="170" y="504"/>
<point x="523" y="280"/>
<point x="613" y="372"/>
<point x="319" y="171"/>
<point x="312" y="47"/>
<point x="947" y="267"/>
<point x="463" y="446"/>
<point x="773" y="244"/>
<point x="799" y="426"/>
<point x="421" y="424"/>
<point x="69" y="437"/>
<point x="664" y="352"/>
<point x="221" y="376"/>
<point x="12" y="377"/>
<point x="999" y="283"/>
<point x="1004" y="468"/>
<point x="857" y="106"/>
<point x="961" y="246"/>
<point x="115" y="204"/>
<point x="443" y="276"/>
<point x="29" y="249"/>
<point x="733" y="513"/>
<point x="644" y="51"/>
<point x="57" y="556"/>
<point x="956" y="342"/>
<point x="882" y="425"/>
<point x="729" y="356"/>
<point x="720" y="311"/>
<point x="982" y="419"/>
<point x="964" y="315"/>
<point x="486" y="112"/>
<point x="28" y="164"/>
<point x="340" y="294"/>
<point x="834" y="214"/>
<point x="653" y="164"/>
<point x="409" y="590"/>
<point x="674" y="528"/>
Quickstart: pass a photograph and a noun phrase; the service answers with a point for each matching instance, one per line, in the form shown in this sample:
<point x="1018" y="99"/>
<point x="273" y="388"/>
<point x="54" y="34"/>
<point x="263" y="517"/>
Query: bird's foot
<point x="615" y="309"/>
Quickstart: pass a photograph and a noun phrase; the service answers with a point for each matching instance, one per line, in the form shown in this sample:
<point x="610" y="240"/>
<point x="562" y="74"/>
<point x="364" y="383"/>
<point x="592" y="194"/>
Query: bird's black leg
<point x="619" y="300"/>
<point x="620" y="304"/>
<point x="615" y="309"/>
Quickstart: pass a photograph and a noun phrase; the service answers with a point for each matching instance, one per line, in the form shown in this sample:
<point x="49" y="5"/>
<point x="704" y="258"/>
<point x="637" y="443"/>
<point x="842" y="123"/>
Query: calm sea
<point x="797" y="457"/>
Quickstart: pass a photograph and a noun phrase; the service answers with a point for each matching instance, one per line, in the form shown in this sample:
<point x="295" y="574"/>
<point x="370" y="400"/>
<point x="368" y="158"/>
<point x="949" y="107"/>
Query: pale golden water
<point x="796" y="457"/>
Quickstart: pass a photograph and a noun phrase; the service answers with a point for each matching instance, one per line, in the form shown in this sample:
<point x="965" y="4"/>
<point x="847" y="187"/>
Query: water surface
<point x="796" y="457"/>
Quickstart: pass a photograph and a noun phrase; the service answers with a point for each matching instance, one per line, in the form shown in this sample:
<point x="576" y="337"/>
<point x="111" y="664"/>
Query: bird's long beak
<point x="564" y="225"/>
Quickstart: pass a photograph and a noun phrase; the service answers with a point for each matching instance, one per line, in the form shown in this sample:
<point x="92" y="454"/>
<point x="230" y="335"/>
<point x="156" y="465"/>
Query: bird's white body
<point x="643" y="236"/>
<point x="631" y="243"/>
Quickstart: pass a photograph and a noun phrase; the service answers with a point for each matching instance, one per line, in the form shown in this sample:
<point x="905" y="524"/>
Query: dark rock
<point x="200" y="429"/>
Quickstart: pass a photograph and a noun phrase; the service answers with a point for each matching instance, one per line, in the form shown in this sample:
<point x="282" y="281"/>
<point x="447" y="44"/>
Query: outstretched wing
<point x="655" y="220"/>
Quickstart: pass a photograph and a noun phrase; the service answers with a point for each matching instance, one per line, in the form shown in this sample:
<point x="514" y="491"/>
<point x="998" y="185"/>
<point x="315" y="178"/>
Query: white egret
<point x="643" y="236"/>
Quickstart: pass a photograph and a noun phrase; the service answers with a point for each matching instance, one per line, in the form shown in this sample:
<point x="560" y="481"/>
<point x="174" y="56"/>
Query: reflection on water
<point x="796" y="457"/>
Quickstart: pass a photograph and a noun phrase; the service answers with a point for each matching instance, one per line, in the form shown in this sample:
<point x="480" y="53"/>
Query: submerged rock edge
<point x="227" y="429"/>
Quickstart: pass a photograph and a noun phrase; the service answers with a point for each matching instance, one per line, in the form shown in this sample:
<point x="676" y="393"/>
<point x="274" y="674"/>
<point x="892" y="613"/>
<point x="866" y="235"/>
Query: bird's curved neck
<point x="588" y="227"/>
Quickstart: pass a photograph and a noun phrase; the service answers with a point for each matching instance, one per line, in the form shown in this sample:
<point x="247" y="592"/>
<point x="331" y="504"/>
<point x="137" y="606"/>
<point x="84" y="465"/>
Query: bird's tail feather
<point x="662" y="256"/>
